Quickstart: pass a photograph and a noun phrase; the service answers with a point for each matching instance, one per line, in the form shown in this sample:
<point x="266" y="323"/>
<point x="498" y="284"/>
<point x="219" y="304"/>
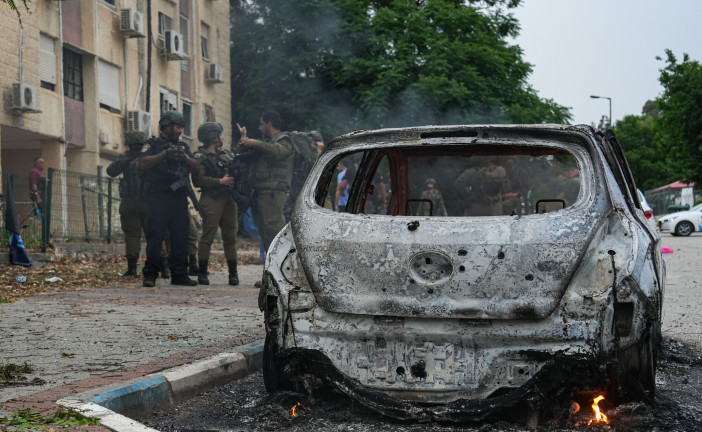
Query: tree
<point x="13" y="6"/>
<point x="649" y="164"/>
<point x="680" y="124"/>
<point x="339" y="65"/>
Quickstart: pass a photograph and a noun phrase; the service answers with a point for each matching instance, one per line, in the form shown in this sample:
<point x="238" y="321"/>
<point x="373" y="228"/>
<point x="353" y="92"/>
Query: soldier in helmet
<point x="166" y="163"/>
<point x="219" y="209"/>
<point x="132" y="207"/>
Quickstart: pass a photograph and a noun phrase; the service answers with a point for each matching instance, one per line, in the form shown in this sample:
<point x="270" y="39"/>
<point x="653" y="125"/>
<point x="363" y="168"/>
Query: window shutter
<point x="108" y="85"/>
<point x="47" y="59"/>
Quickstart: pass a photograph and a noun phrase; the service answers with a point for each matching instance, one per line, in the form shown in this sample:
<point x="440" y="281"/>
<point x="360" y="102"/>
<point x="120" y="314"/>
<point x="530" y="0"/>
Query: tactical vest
<point x="165" y="176"/>
<point x="274" y="174"/>
<point x="130" y="183"/>
<point x="216" y="165"/>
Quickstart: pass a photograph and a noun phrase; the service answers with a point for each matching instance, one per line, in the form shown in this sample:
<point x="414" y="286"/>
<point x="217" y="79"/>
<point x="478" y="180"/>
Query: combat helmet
<point x="171" y="117"/>
<point x="208" y="131"/>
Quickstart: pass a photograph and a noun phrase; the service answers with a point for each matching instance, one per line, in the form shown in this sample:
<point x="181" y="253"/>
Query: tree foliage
<point x="11" y="4"/>
<point x="649" y="164"/>
<point x="680" y="124"/>
<point x="339" y="65"/>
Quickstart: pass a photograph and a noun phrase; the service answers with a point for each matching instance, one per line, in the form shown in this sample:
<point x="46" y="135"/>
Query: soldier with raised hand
<point x="219" y="209"/>
<point x="166" y="163"/>
<point x="273" y="173"/>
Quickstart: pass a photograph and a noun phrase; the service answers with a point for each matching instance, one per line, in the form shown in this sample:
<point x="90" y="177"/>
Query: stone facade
<point x="81" y="130"/>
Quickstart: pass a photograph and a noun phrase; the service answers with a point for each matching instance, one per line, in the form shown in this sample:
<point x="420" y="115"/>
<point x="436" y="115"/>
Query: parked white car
<point x="682" y="223"/>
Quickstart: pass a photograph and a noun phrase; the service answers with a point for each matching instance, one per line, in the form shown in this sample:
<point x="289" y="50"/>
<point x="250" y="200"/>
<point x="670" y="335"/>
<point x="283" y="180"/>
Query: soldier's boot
<point x="183" y="280"/>
<point x="202" y="278"/>
<point x="149" y="282"/>
<point x="233" y="275"/>
<point x="192" y="265"/>
<point x="165" y="270"/>
<point x="131" y="267"/>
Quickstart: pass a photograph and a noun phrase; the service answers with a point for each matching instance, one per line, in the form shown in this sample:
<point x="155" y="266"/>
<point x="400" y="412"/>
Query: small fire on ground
<point x="599" y="416"/>
<point x="292" y="410"/>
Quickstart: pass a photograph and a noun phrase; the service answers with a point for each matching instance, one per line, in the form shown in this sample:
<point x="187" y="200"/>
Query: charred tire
<point x="635" y="379"/>
<point x="273" y="378"/>
<point x="684" y="229"/>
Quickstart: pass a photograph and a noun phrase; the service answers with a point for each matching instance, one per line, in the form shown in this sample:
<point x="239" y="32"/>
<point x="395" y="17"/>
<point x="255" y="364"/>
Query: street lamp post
<point x="610" y="106"/>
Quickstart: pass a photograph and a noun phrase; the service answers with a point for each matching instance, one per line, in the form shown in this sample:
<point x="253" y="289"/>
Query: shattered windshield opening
<point x="454" y="181"/>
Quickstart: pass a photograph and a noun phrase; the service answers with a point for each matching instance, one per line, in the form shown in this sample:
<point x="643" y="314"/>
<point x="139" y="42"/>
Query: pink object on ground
<point x="666" y="249"/>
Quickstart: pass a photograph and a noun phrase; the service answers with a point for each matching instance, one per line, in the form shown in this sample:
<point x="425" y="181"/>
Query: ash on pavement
<point x="245" y="405"/>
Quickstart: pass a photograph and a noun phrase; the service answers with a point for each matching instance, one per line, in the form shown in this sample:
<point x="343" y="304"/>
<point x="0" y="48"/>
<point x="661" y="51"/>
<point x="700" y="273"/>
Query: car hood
<point x="475" y="268"/>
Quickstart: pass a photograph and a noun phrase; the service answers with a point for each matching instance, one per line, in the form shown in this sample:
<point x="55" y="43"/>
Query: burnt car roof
<point x="463" y="132"/>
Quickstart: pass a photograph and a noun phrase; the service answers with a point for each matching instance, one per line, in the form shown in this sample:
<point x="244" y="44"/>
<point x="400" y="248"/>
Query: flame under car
<point x="524" y="273"/>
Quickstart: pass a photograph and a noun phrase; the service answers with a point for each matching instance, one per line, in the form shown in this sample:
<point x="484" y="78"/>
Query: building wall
<point x="80" y="135"/>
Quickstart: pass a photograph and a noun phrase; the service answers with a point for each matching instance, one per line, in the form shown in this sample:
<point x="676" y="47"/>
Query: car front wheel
<point x="684" y="229"/>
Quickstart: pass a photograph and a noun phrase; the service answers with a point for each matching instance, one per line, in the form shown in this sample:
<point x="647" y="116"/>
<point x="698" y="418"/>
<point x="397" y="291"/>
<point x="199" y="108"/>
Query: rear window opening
<point x="453" y="181"/>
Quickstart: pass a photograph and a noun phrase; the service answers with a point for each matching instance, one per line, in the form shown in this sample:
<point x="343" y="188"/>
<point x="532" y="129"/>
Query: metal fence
<point x="86" y="206"/>
<point x="77" y="207"/>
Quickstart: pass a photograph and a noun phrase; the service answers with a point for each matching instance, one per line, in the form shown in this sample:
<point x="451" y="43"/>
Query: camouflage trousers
<point x="216" y="213"/>
<point x="132" y="216"/>
<point x="268" y="213"/>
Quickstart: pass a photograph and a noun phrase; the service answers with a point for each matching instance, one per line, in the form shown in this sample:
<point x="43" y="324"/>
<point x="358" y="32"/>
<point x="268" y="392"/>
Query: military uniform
<point x="165" y="189"/>
<point x="271" y="184"/>
<point x="132" y="208"/>
<point x="437" y="207"/>
<point x="219" y="209"/>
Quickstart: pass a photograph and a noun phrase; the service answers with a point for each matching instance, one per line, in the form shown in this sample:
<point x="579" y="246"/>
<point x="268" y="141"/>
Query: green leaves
<point x="350" y="64"/>
<point x="27" y="419"/>
<point x="679" y="127"/>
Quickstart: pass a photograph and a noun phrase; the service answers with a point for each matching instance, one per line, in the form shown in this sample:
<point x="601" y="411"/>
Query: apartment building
<point x="78" y="74"/>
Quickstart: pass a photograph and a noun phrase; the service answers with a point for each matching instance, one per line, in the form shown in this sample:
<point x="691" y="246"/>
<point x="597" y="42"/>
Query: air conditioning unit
<point x="24" y="97"/>
<point x="139" y="121"/>
<point x="173" y="45"/>
<point x="214" y="73"/>
<point x="131" y="23"/>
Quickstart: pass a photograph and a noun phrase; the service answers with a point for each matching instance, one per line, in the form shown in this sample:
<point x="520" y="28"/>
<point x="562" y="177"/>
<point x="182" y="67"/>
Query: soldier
<point x="272" y="175"/>
<point x="166" y="163"/>
<point x="219" y="208"/>
<point x="132" y="207"/>
<point x="437" y="207"/>
<point x="317" y="141"/>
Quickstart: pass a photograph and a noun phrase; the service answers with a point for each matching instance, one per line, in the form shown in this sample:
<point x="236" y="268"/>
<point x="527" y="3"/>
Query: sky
<point x="579" y="48"/>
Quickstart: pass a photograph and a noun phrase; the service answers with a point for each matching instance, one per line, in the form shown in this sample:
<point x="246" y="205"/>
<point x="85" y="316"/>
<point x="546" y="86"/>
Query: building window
<point x="188" y="114"/>
<point x="168" y="99"/>
<point x="208" y="113"/>
<point x="164" y="23"/>
<point x="47" y="62"/>
<point x="72" y="74"/>
<point x="109" y="2"/>
<point x="204" y="36"/>
<point x="108" y="87"/>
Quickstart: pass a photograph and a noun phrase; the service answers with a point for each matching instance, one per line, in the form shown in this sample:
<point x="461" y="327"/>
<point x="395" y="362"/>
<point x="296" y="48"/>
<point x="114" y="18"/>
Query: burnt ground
<point x="244" y="405"/>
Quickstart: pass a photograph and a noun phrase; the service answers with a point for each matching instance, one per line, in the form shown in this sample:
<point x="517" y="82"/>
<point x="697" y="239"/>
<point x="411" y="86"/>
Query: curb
<point x="114" y="404"/>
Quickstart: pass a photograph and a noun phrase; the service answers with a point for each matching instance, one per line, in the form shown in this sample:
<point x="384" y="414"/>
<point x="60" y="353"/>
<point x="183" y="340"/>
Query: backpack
<point x="304" y="157"/>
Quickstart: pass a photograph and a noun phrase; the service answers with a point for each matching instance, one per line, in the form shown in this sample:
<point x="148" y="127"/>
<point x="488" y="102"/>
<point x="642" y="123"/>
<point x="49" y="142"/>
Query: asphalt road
<point x="245" y="406"/>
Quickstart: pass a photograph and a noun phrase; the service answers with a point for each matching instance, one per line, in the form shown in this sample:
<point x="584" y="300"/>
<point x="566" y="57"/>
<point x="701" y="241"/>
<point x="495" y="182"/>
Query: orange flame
<point x="599" y="416"/>
<point x="292" y="411"/>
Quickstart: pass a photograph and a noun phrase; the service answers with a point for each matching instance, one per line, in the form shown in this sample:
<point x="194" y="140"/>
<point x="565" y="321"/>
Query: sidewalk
<point x="80" y="340"/>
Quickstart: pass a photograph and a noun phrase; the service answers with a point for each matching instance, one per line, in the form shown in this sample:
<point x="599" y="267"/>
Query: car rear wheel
<point x="272" y="370"/>
<point x="684" y="229"/>
<point x="636" y="378"/>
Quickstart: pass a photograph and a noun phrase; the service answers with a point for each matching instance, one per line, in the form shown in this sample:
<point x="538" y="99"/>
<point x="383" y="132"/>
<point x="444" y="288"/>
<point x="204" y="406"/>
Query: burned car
<point x="475" y="270"/>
